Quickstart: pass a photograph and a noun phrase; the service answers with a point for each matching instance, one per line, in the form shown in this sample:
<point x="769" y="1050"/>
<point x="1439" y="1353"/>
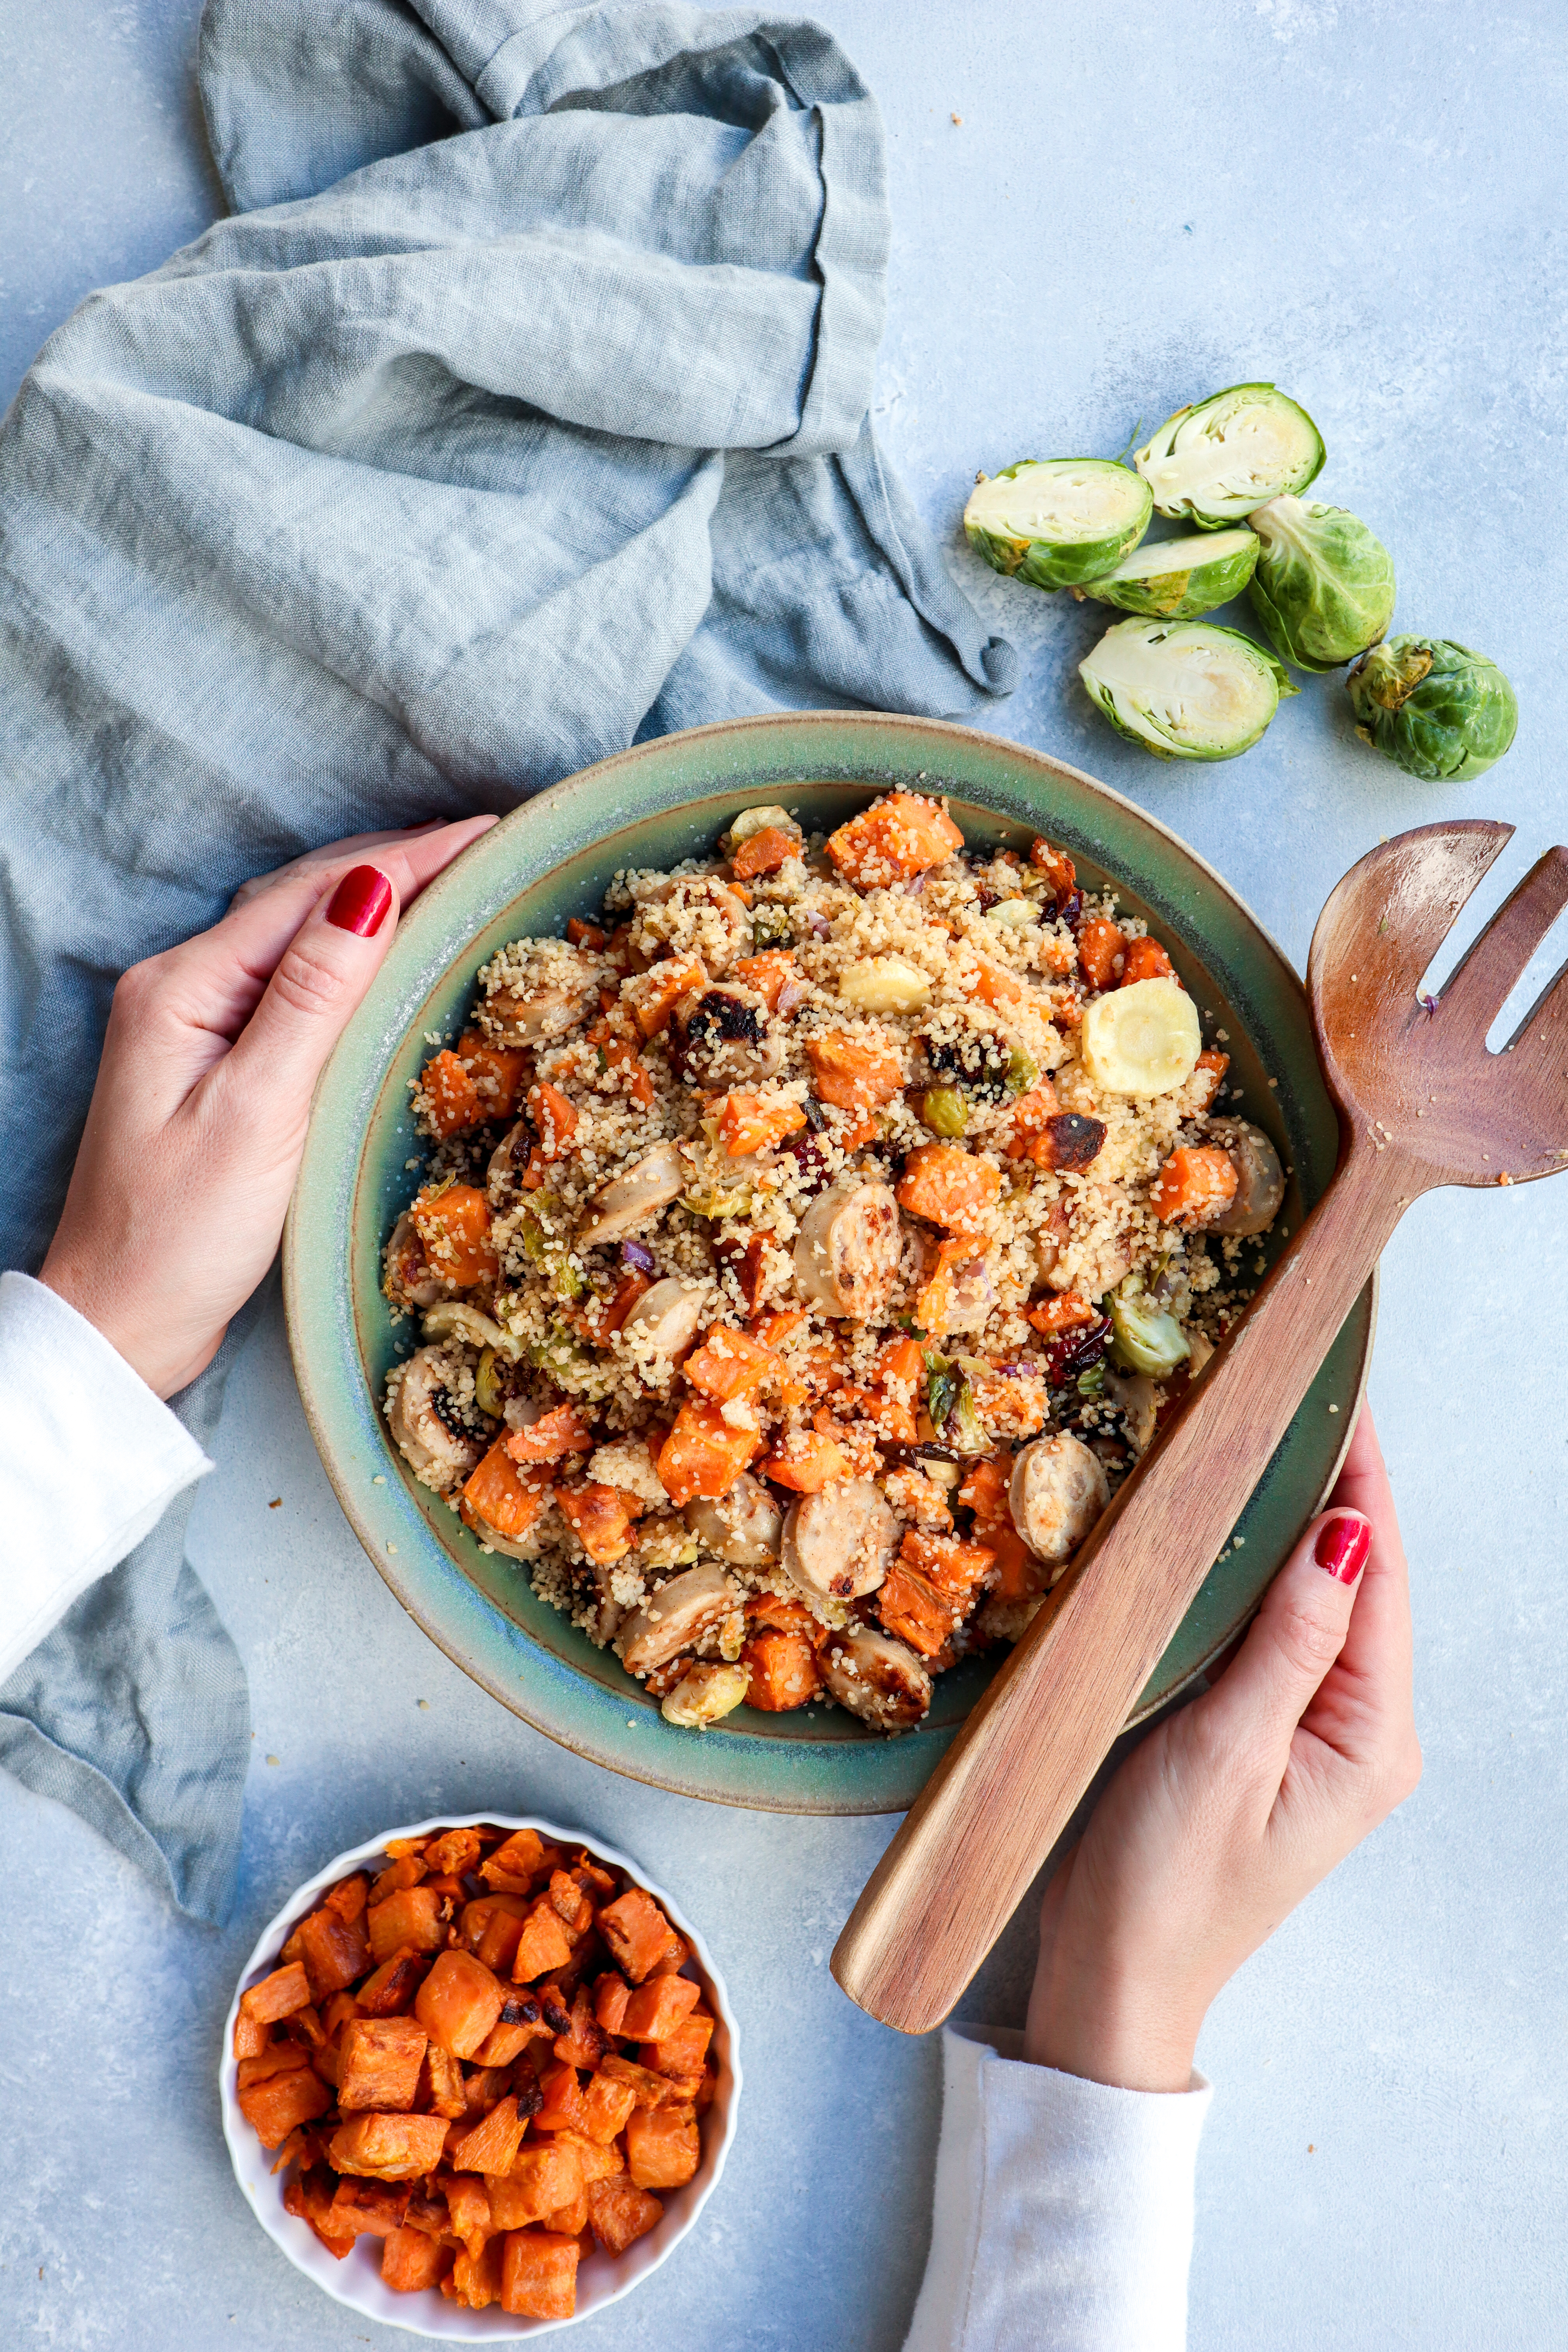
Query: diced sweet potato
<point x="597" y="2158"/>
<point x="781" y="1673"/>
<point x="551" y="1437"/>
<point x="389" y="1990"/>
<point x="349" y="1897"/>
<point x="441" y="2090"/>
<point x="767" y="974"/>
<point x="410" y="1919"/>
<point x="764" y="851"/>
<point x="404" y="1869"/>
<point x="748" y="1123"/>
<point x="378" y="2061"/>
<point x="543" y="2175"/>
<point x="1209" y="1071"/>
<point x="277" y="2058"/>
<point x="1144" y="958"/>
<point x="664" y="2146"/>
<point x="854" y="1072"/>
<point x="619" y="2212"/>
<point x="524" y="1855"/>
<point x="409" y="2261"/>
<point x="947" y="1185"/>
<point x="601" y="1517"/>
<point x="279" y="1995"/>
<point x="1195" y="1182"/>
<point x="454" y="1231"/>
<point x="388" y="2147"/>
<point x="607" y="2103"/>
<point x="808" y="1460"/>
<point x="519" y="2022"/>
<point x="570" y="2220"/>
<point x="475" y="2280"/>
<point x="657" y="2007"/>
<point x="251" y="2035"/>
<point x="334" y="1951"/>
<point x="395" y="1848"/>
<point x="538" y="2274"/>
<point x="503" y="1497"/>
<point x="491" y="1927"/>
<point x="582" y="2044"/>
<point x="275" y="2107"/>
<point x="543" y="1945"/>
<point x="470" y="2216"/>
<point x="563" y="2108"/>
<point x="703" y="1455"/>
<point x="489" y="2145"/>
<point x="553" y="1120"/>
<point x="1101" y="952"/>
<point x="683" y="2053"/>
<point x="458" y="2003"/>
<point x="451" y="1102"/>
<point x="913" y="1612"/>
<point x="637" y="1932"/>
<point x="372" y="2208"/>
<point x="654" y="997"/>
<point x="611" y="1995"/>
<point x="650" y="2087"/>
<point x="900" y="837"/>
<point x="310" y="2199"/>
<point x="946" y="1562"/>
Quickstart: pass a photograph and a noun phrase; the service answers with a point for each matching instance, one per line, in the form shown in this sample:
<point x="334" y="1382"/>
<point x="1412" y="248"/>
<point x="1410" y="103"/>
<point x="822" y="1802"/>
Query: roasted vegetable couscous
<point x="808" y="1251"/>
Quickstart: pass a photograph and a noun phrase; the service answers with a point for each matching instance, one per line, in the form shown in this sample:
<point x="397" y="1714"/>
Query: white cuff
<point x="89" y="1461"/>
<point x="1063" y="2217"/>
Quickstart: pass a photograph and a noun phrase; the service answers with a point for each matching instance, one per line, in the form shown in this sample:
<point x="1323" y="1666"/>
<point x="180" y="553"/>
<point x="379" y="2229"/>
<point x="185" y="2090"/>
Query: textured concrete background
<point x="1143" y="202"/>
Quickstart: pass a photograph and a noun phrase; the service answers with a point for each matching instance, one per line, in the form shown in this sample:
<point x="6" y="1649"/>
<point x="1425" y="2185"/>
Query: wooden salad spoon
<point x="1421" y="1103"/>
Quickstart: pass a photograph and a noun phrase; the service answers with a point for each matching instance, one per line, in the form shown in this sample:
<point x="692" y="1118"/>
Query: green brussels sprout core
<point x="1060" y="522"/>
<point x="1143" y="1338"/>
<point x="1440" y="711"/>
<point x="1184" y="689"/>
<point x="1215" y="463"/>
<point x="1177" y="578"/>
<point x="1323" y="589"/>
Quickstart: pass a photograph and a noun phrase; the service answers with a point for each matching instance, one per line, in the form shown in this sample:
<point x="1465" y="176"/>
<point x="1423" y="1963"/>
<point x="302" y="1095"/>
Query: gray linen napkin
<point x="520" y="412"/>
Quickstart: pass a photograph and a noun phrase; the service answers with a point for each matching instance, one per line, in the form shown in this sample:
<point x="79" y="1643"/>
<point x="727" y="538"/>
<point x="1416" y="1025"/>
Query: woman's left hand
<point x="197" y="1122"/>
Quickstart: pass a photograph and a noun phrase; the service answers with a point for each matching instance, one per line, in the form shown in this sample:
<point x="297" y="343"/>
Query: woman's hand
<point x="198" y="1118"/>
<point x="1233" y="1810"/>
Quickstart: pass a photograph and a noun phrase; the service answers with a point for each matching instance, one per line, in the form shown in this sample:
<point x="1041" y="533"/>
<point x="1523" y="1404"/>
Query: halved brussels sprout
<point x="1140" y="1039"/>
<point x="1439" y="710"/>
<point x="1176" y="579"/>
<point x="1184" y="689"/>
<point x="1323" y="589"/>
<point x="1143" y="1338"/>
<point x="1059" y="521"/>
<point x="1214" y="462"/>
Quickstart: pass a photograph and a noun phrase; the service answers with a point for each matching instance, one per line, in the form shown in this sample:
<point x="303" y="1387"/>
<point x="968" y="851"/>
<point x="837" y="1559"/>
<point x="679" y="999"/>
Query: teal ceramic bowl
<point x="550" y="859"/>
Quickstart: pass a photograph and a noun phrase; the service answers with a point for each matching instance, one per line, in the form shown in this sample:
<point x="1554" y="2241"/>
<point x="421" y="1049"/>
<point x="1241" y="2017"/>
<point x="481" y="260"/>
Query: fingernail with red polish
<point x="359" y="901"/>
<point x="1342" y="1548"/>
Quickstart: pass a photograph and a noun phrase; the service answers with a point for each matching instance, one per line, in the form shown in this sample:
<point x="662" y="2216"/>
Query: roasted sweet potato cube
<point x="368" y="2208"/>
<point x="598" y="2159"/>
<point x="538" y="2274"/>
<point x="606" y="2104"/>
<point x="411" y="1918"/>
<point x="395" y="1848"/>
<point x="543" y="1945"/>
<point x="611" y="1995"/>
<point x="543" y="2175"/>
<point x="683" y="2050"/>
<point x="388" y="2147"/>
<point x="279" y="1995"/>
<point x="482" y="2087"/>
<point x="409" y="2261"/>
<point x="309" y="2198"/>
<point x="379" y="2060"/>
<point x="571" y="1906"/>
<point x="619" y="2212"/>
<point x="637" y="1932"/>
<point x="251" y="2035"/>
<point x="275" y="2107"/>
<point x="561" y="2107"/>
<point x="468" y="2214"/>
<point x="454" y="1851"/>
<point x="582" y="2044"/>
<point x="657" y="2007"/>
<point x="458" y="2003"/>
<point x="407" y="1871"/>
<point x="674" y="1958"/>
<point x="569" y="2220"/>
<point x="277" y="2058"/>
<point x="663" y="2147"/>
<point x="475" y="2280"/>
<point x="337" y="2013"/>
<point x="650" y="2087"/>
<point x="334" y="1951"/>
<point x="503" y="2044"/>
<point x="489" y="2145"/>
<point x="325" y="2062"/>
<point x="389" y="1990"/>
<point x="523" y="1859"/>
<point x="441" y="2089"/>
<point x="493" y="1926"/>
<point x="348" y="1897"/>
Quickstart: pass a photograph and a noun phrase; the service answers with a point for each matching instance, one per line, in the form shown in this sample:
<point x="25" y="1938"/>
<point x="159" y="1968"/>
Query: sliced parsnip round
<point x="1143" y="1039"/>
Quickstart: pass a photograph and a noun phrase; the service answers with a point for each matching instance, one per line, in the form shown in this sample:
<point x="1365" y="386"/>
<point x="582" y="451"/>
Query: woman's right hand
<point x="1234" y="1808"/>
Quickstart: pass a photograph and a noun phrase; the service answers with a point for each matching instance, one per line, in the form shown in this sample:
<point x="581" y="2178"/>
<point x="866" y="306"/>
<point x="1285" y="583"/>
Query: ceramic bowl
<point x="356" y="2280"/>
<point x="552" y="858"/>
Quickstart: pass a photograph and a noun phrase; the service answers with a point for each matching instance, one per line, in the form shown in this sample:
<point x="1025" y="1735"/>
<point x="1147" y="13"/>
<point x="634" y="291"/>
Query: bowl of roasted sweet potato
<point x="479" y="2077"/>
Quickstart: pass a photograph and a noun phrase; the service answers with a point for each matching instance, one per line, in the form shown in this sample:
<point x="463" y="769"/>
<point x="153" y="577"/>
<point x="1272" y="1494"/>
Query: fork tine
<point x="1480" y="984"/>
<point x="1540" y="1044"/>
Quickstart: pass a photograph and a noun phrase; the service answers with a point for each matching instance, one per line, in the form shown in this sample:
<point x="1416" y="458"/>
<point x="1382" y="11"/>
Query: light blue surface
<point x="1143" y="202"/>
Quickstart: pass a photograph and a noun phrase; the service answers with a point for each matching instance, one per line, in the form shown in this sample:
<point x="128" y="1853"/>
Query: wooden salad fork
<point x="1421" y="1103"/>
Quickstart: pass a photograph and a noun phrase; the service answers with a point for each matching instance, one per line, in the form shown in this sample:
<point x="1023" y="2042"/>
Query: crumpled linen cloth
<point x="520" y="412"/>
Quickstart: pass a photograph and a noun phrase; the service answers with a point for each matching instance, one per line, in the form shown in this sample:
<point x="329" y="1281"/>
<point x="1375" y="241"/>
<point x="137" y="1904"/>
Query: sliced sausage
<point x="847" y="1252"/>
<point x="667" y="1315"/>
<point x="722" y="1037"/>
<point x="743" y="1527"/>
<point x="876" y="1678"/>
<point x="408" y="1279"/>
<point x="677" y="1616"/>
<point x="1058" y="1490"/>
<point x="838" y="1544"/>
<point x="638" y="1193"/>
<point x="1259" y="1178"/>
<point x="438" y="1450"/>
<point x="1133" y="1396"/>
<point x="524" y="1017"/>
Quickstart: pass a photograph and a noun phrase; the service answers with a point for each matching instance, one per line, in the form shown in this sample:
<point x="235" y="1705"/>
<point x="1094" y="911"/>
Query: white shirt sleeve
<point x="91" y="1461"/>
<point x="1063" y="2217"/>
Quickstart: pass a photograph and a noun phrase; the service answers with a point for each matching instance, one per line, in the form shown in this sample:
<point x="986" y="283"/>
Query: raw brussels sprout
<point x="1143" y="1338"/>
<point x="1176" y="579"/>
<point x="1323" y="589"/>
<point x="1439" y="710"/>
<point x="1059" y="522"/>
<point x="1184" y="689"/>
<point x="1216" y="462"/>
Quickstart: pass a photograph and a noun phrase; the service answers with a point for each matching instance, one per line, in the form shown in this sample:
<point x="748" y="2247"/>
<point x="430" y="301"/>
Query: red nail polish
<point x="359" y="901"/>
<point x="1342" y="1548"/>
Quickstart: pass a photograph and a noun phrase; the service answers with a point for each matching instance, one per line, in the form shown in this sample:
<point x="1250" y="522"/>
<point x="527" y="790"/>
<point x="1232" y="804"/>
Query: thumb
<point x="320" y="979"/>
<point x="1295" y="1635"/>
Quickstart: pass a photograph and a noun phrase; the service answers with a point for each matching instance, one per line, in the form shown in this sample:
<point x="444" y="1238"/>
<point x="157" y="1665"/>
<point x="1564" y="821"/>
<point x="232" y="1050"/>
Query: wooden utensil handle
<point x="1007" y="1786"/>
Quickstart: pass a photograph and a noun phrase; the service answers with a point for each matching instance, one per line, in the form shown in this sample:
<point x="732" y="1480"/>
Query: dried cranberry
<point x="1076" y="1351"/>
<point x="809" y="1157"/>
